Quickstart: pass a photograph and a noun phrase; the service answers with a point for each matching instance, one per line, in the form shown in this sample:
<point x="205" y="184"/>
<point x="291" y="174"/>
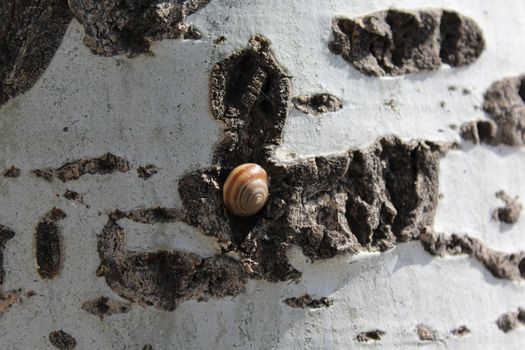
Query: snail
<point x="245" y="191"/>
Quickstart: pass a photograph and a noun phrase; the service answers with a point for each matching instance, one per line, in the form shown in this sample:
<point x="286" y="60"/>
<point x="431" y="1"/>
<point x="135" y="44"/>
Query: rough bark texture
<point x="7" y="299"/>
<point x="12" y="172"/>
<point x="127" y="27"/>
<point x="106" y="164"/>
<point x="511" y="212"/>
<point x="147" y="171"/>
<point x="360" y="200"/>
<point x="504" y="102"/>
<point x="164" y="278"/>
<point x="318" y="103"/>
<point x="306" y="301"/>
<point x="30" y="33"/>
<point x="461" y="331"/>
<point x="5" y="235"/>
<point x="395" y="42"/>
<point x="104" y="306"/>
<point x="357" y="201"/>
<point x="48" y="244"/>
<point x="501" y="265"/>
<point x="511" y="320"/>
<point x="370" y="336"/>
<point x="61" y="340"/>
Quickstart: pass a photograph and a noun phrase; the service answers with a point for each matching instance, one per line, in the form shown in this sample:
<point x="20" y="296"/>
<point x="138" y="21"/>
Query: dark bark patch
<point x="317" y="104"/>
<point x="461" y="40"/>
<point x="461" y="331"/>
<point x="11" y="172"/>
<point x="128" y="27"/>
<point x="370" y="336"/>
<point x="103" y="165"/>
<point x="163" y="278"/>
<point x="521" y="90"/>
<point x="9" y="298"/>
<point x="501" y="265"/>
<point x="30" y="33"/>
<point x="48" y="252"/>
<point x="147" y="171"/>
<point x="505" y="106"/>
<point x="466" y="91"/>
<point x="306" y="301"/>
<point x="46" y="174"/>
<point x="396" y="42"/>
<point x="31" y="294"/>
<point x="521" y="267"/>
<point x="511" y="320"/>
<point x="151" y="215"/>
<point x="360" y="200"/>
<point x="511" y="212"/>
<point x="61" y="340"/>
<point x="220" y="40"/>
<point x="481" y="131"/>
<point x="5" y="235"/>
<point x="249" y="93"/>
<point x="104" y="306"/>
<point x="73" y="196"/>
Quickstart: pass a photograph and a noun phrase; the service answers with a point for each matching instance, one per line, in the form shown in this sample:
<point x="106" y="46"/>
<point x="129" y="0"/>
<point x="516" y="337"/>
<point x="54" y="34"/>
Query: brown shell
<point x="245" y="191"/>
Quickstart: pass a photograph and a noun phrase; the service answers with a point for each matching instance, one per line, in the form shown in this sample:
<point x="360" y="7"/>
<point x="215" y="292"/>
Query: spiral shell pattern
<point x="245" y="191"/>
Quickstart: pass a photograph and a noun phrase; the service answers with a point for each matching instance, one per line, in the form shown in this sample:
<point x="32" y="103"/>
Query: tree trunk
<point x="385" y="207"/>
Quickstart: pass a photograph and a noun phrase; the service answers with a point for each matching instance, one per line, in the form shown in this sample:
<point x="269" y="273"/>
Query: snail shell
<point x="245" y="191"/>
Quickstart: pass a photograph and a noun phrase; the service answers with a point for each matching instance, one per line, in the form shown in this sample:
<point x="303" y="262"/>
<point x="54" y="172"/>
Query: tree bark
<point x="385" y="208"/>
